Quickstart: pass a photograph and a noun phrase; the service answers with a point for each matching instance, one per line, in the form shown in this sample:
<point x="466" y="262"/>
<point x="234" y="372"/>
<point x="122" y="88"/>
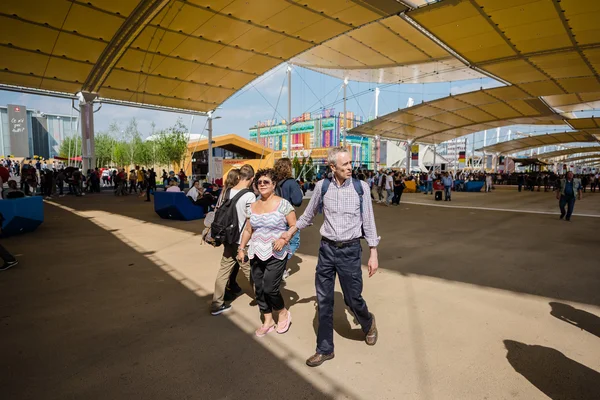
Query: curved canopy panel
<point x="431" y="72"/>
<point x="585" y="123"/>
<point x="566" y="103"/>
<point x="451" y="117"/>
<point x="588" y="158"/>
<point x="569" y="151"/>
<point x="185" y="54"/>
<point x="389" y="50"/>
<point x="545" y="47"/>
<point x="517" y="145"/>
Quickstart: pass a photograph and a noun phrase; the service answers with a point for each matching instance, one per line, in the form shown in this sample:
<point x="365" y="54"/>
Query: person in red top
<point x="182" y="179"/>
<point x="121" y="178"/>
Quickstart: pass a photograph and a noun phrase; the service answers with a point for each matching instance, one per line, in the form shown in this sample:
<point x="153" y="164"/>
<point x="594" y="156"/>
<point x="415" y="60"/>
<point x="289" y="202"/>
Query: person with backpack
<point x="348" y="217"/>
<point x="229" y="222"/>
<point x="269" y="218"/>
<point x="287" y="188"/>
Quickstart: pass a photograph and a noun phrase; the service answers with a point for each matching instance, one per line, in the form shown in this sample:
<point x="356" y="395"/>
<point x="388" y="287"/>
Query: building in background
<point x="312" y="136"/>
<point x="28" y="133"/>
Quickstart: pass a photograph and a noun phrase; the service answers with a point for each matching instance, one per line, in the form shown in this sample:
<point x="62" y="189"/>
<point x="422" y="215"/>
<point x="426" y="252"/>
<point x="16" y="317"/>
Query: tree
<point x="297" y="167"/>
<point x="145" y="154"/>
<point x="104" y="144"/>
<point x="172" y="144"/>
<point x="121" y="153"/>
<point x="69" y="148"/>
<point x="133" y="138"/>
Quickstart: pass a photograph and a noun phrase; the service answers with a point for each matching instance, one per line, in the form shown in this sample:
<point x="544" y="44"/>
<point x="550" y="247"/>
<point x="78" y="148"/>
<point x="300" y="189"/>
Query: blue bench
<point x="474" y="186"/>
<point x="21" y="215"/>
<point x="176" y="205"/>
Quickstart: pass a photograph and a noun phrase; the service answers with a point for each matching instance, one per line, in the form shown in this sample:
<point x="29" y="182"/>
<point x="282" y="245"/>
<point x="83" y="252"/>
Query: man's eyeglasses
<point x="263" y="182"/>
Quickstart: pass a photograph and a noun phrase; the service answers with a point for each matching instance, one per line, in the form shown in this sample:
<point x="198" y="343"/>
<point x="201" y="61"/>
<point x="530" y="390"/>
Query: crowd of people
<point x="254" y="219"/>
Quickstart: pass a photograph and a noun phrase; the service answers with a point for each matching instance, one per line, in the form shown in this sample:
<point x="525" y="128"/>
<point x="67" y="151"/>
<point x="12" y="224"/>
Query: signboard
<point x="218" y="164"/>
<point x="18" y="130"/>
<point x="383" y="152"/>
<point x="316" y="153"/>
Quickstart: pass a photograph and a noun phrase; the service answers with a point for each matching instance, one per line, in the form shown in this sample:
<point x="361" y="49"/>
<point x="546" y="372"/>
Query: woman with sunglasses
<point x="268" y="218"/>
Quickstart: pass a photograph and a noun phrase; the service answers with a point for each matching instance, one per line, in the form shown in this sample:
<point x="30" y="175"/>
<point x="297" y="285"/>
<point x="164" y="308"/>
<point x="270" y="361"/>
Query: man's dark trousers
<point x="5" y="255"/>
<point x="568" y="201"/>
<point x="345" y="262"/>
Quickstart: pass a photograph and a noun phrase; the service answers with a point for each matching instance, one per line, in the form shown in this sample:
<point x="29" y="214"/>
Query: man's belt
<point x="341" y="244"/>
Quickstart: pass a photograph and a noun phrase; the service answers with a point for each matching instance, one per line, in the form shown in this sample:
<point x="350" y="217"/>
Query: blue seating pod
<point x="21" y="215"/>
<point x="176" y="205"/>
<point x="474" y="186"/>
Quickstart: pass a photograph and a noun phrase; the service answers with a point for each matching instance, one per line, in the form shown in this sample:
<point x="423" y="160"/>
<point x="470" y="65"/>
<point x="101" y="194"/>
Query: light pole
<point x="345" y="118"/>
<point x="211" y="170"/>
<point x="289" y="122"/>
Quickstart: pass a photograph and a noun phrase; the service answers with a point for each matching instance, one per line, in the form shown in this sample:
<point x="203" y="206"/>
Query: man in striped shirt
<point x="347" y="218"/>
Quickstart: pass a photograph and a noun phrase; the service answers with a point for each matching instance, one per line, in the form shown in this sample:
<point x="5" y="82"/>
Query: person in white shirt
<point x="488" y="183"/>
<point x="230" y="250"/>
<point x="430" y="178"/>
<point x="195" y="192"/>
<point x="389" y="188"/>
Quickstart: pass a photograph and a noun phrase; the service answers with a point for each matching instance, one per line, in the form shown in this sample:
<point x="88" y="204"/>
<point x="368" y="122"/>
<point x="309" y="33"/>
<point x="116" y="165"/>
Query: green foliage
<point x="104" y="144"/>
<point x="172" y="144"/>
<point x="124" y="147"/>
<point x="309" y="170"/>
<point x="68" y="147"/>
<point x="296" y="166"/>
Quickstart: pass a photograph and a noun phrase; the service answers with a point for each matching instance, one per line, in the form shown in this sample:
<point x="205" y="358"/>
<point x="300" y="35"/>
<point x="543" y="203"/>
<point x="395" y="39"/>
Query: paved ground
<point x="111" y="302"/>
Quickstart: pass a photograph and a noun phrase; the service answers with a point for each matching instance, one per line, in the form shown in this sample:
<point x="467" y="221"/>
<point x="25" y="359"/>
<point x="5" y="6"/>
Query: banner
<point x="462" y="157"/>
<point x="218" y="165"/>
<point x="414" y="149"/>
<point x="383" y="153"/>
<point x="18" y="130"/>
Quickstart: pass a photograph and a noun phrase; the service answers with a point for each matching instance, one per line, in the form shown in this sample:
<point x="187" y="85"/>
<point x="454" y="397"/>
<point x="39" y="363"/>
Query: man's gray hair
<point x="333" y="153"/>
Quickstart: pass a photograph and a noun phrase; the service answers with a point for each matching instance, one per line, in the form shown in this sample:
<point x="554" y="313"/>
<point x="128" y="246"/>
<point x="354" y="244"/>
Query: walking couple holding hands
<point x="268" y="225"/>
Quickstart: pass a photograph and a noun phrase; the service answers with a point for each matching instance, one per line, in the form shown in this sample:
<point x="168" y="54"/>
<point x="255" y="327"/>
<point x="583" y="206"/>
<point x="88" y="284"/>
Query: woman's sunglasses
<point x="263" y="182"/>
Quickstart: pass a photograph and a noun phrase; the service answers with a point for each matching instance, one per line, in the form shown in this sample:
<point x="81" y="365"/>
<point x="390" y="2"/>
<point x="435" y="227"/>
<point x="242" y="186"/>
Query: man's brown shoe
<point x="318" y="359"/>
<point x="372" y="335"/>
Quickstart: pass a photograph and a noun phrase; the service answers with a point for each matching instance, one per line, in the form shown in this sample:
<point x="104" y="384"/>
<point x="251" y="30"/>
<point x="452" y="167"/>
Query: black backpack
<point x="225" y="227"/>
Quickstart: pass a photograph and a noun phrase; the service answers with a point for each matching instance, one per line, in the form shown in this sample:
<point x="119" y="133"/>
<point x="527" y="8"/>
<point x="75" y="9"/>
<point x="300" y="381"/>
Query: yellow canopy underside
<point x="517" y="145"/>
<point x="195" y="54"/>
<point x="189" y="54"/>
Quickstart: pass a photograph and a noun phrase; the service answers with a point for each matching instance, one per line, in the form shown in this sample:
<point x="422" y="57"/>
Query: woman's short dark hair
<point x="268" y="172"/>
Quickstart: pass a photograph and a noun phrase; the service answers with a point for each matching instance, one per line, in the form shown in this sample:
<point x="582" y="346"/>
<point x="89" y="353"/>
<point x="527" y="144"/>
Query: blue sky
<point x="257" y="102"/>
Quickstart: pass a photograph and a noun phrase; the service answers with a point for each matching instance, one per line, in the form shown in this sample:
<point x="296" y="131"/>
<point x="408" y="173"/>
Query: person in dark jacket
<point x="288" y="189"/>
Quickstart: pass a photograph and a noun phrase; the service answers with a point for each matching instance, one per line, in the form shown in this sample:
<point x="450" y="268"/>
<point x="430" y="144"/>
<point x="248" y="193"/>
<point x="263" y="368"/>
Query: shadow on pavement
<point x="574" y="316"/>
<point x="97" y="319"/>
<point x="520" y="252"/>
<point x="553" y="373"/>
<point x="341" y="313"/>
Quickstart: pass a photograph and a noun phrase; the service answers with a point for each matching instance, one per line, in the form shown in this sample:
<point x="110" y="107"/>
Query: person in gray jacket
<point x="569" y="187"/>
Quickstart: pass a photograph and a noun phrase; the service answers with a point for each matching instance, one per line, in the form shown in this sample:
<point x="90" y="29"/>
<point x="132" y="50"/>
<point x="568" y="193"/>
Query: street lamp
<point x="210" y="148"/>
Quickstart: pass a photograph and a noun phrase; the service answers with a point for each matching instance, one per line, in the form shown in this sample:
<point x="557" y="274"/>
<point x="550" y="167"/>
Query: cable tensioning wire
<point x="308" y="86"/>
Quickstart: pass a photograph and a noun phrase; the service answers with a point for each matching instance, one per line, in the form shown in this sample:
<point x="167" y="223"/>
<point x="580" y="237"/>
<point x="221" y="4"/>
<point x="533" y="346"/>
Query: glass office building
<point x="36" y="134"/>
